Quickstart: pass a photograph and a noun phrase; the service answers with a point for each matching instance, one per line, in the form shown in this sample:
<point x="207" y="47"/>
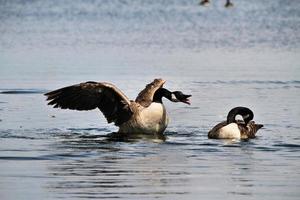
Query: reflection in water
<point x="225" y="58"/>
<point x="114" y="169"/>
<point x="115" y="136"/>
<point x="241" y="174"/>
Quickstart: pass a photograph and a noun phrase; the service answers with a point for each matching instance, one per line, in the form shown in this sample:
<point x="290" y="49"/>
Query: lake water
<point x="244" y="56"/>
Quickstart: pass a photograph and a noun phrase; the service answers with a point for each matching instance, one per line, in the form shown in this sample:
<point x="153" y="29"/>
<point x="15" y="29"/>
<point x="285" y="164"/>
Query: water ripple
<point x="22" y="91"/>
<point x="264" y="82"/>
<point x="287" y="145"/>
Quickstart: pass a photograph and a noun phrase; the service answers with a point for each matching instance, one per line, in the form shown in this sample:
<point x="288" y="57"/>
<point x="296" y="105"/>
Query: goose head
<point x="246" y="114"/>
<point x="178" y="96"/>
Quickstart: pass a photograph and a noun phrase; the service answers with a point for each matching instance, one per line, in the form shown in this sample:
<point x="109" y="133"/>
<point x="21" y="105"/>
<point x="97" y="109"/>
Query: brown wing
<point x="90" y="95"/>
<point x="250" y="130"/>
<point x="213" y="131"/>
<point x="145" y="97"/>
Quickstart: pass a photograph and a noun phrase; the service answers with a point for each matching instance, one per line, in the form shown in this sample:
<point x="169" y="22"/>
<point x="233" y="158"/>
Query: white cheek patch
<point x="100" y="90"/>
<point x="173" y="97"/>
<point x="239" y="117"/>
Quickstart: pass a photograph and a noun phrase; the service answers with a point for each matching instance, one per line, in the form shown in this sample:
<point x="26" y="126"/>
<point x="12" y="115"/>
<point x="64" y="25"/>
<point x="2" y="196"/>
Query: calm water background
<point x="247" y="55"/>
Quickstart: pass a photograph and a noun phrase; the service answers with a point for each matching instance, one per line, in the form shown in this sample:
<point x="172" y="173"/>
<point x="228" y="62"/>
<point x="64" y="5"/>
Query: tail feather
<point x="252" y="128"/>
<point x="258" y="126"/>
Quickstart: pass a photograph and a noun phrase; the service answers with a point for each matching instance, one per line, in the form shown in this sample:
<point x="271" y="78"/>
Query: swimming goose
<point x="146" y="114"/>
<point x="207" y="2"/>
<point x="228" y="4"/>
<point x="236" y="129"/>
<point x="204" y="3"/>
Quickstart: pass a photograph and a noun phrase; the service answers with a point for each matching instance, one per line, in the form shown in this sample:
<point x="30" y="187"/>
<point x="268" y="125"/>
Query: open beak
<point x="186" y="99"/>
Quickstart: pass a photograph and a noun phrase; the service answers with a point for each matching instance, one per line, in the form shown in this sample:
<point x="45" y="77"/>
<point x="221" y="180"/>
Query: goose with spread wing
<point x="236" y="129"/>
<point x="146" y="114"/>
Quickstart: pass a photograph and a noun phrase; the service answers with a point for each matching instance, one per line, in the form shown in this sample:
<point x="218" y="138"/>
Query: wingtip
<point x="159" y="80"/>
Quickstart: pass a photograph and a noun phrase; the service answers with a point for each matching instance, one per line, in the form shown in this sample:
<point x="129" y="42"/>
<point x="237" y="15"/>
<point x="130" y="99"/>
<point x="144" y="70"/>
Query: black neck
<point x="160" y="93"/>
<point x="246" y="113"/>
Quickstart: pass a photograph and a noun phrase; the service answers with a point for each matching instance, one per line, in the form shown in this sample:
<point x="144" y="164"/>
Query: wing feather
<point x="90" y="95"/>
<point x="145" y="97"/>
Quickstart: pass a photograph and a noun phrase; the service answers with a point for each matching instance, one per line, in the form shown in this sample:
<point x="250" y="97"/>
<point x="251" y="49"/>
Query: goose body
<point x="146" y="114"/>
<point x="236" y="129"/>
<point x="152" y="119"/>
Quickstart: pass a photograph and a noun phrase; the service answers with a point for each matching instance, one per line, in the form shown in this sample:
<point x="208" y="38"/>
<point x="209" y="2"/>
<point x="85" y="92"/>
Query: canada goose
<point x="236" y="129"/>
<point x="204" y="2"/>
<point x="228" y="4"/>
<point x="207" y="2"/>
<point x="146" y="114"/>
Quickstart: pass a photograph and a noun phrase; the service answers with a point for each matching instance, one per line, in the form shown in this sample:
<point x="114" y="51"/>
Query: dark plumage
<point x="232" y="128"/>
<point x="90" y="95"/>
<point x="130" y="116"/>
<point x="207" y="2"/>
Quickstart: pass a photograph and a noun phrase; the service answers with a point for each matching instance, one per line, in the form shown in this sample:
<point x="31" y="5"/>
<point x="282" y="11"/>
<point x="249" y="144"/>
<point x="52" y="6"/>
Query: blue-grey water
<point x="247" y="55"/>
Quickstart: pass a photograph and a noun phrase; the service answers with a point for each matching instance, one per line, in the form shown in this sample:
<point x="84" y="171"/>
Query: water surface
<point x="244" y="56"/>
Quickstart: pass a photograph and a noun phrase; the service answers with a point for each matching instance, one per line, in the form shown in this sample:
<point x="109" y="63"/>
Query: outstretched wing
<point x="145" y="97"/>
<point x="90" y="95"/>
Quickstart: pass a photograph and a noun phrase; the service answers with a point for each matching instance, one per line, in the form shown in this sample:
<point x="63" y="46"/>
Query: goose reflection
<point x="115" y="169"/>
<point x="240" y="170"/>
